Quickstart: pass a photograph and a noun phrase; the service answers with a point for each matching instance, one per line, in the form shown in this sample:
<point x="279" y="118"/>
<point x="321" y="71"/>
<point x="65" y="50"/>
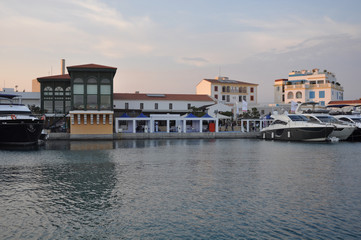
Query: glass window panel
<point x="78" y="101"/>
<point x="92" y="89"/>
<point x="105" y="89"/>
<point x="92" y="102"/>
<point x="92" y="80"/>
<point x="105" y="102"/>
<point x="59" y="107"/>
<point x="105" y="81"/>
<point x="67" y="106"/>
<point x="68" y="91"/>
<point x="78" y="89"/>
<point x="48" y="106"/>
<point x="78" y="80"/>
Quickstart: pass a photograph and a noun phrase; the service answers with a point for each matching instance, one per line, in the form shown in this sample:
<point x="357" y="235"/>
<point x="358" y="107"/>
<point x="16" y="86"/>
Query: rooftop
<point x="162" y="97"/>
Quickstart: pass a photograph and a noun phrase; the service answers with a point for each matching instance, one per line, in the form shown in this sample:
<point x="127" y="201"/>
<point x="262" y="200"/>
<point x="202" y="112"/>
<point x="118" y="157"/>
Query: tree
<point x="35" y="109"/>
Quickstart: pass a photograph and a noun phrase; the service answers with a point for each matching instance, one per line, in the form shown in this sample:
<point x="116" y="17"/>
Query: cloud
<point x="196" y="61"/>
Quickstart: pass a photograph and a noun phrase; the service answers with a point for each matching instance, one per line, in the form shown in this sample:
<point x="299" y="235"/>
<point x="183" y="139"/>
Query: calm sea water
<point x="181" y="189"/>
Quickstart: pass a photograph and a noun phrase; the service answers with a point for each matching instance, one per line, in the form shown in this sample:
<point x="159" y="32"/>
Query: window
<point x="155" y="105"/>
<point x="126" y="105"/>
<point x="228" y="89"/>
<point x="216" y="88"/>
<point x="312" y="94"/>
<point x="92" y="96"/>
<point x="48" y="106"/>
<point x="170" y="106"/>
<point x="223" y="89"/>
<point x="78" y="93"/>
<point x="68" y="91"/>
<point x="59" y="91"/>
<point x="298" y="95"/>
<point x="321" y="94"/>
<point x="223" y="97"/>
<point x="228" y="98"/>
<point x="189" y="106"/>
<point x="141" y="106"/>
<point x="245" y="98"/>
<point x="289" y="95"/>
<point x="322" y="103"/>
<point x="59" y="107"/>
<point x="48" y="91"/>
<point x="105" y="94"/>
<point x="251" y="89"/>
<point x="216" y="96"/>
<point x="239" y="98"/>
<point x="252" y="98"/>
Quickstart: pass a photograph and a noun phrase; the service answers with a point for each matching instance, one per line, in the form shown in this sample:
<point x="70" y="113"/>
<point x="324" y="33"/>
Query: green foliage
<point x="253" y="114"/>
<point x="34" y="109"/>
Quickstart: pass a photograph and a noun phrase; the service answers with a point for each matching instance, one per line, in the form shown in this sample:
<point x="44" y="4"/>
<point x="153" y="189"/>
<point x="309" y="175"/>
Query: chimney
<point x="62" y="66"/>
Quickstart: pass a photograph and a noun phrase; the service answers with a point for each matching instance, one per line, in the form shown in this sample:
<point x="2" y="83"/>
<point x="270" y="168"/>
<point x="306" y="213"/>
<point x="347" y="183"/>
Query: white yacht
<point x="295" y="127"/>
<point x="342" y="130"/>
<point x="17" y="124"/>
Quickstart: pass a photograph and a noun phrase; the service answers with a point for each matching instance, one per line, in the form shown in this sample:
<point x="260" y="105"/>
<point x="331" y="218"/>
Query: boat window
<point x="345" y="119"/>
<point x="298" y="118"/>
<point x="356" y="119"/>
<point x="327" y="119"/>
<point x="279" y="122"/>
<point x="312" y="119"/>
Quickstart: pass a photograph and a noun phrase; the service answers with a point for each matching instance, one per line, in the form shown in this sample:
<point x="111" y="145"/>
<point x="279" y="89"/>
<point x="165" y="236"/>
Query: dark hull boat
<point x="295" y="128"/>
<point x="17" y="125"/>
<point x="20" y="132"/>
<point x="298" y="134"/>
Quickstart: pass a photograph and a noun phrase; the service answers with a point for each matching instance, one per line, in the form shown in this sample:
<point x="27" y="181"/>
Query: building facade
<point x="230" y="92"/>
<point x="85" y="95"/>
<point x="148" y="103"/>
<point x="305" y="86"/>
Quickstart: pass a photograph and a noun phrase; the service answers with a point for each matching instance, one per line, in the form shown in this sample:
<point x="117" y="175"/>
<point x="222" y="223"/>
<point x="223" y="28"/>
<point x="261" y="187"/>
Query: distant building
<point x="150" y="103"/>
<point x="230" y="92"/>
<point x="305" y="86"/>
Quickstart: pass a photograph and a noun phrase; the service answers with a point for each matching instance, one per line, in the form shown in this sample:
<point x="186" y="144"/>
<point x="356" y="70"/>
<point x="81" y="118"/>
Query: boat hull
<point x="316" y="134"/>
<point x="355" y="136"/>
<point x="20" y="131"/>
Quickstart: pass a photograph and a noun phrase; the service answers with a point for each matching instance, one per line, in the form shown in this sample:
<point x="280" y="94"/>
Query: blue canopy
<point x="206" y="116"/>
<point x="125" y="115"/>
<point x="141" y="115"/>
<point x="190" y="116"/>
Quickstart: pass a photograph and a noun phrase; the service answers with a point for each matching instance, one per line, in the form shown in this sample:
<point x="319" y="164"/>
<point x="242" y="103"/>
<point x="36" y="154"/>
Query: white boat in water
<point x="17" y="124"/>
<point x="295" y="127"/>
<point x="320" y="114"/>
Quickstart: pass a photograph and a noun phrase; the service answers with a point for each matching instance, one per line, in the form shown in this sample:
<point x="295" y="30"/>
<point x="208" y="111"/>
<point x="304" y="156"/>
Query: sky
<point x="169" y="46"/>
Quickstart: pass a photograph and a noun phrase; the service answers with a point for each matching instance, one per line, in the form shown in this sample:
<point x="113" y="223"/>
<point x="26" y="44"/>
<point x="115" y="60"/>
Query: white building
<point x="230" y="92"/>
<point x="159" y="103"/>
<point x="305" y="86"/>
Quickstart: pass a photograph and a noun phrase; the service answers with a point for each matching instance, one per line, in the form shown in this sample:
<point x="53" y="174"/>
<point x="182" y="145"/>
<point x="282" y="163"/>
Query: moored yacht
<point x="17" y="124"/>
<point x="342" y="131"/>
<point x="353" y="120"/>
<point x="295" y="127"/>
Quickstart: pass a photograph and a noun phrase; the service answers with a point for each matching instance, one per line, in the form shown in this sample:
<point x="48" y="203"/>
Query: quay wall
<point x="158" y="135"/>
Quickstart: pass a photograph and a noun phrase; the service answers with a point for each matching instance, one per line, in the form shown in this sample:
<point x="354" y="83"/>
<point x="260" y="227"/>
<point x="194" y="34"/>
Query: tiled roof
<point x="347" y="102"/>
<point x="60" y="77"/>
<point x="229" y="82"/>
<point x="91" y="65"/>
<point x="161" y="97"/>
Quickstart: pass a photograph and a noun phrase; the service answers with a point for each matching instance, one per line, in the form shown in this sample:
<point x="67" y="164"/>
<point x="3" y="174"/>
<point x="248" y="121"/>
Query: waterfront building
<point x="150" y="103"/>
<point x="230" y="92"/>
<point x="305" y="86"/>
<point x="85" y="94"/>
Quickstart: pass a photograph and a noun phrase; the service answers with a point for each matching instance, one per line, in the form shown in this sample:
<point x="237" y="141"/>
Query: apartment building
<point x="308" y="85"/>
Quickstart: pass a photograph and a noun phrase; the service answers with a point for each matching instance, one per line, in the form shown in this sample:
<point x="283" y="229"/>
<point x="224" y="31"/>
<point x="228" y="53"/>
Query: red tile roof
<point x="229" y="82"/>
<point x="161" y="97"/>
<point x="60" y="77"/>
<point x="91" y="65"/>
<point x="346" y="102"/>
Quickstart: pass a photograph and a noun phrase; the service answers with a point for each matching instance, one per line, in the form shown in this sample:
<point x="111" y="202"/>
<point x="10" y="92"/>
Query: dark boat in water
<point x="17" y="124"/>
<point x="294" y="127"/>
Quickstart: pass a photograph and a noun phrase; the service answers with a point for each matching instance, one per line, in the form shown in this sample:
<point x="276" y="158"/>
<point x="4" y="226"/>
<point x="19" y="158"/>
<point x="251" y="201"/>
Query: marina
<point x="181" y="189"/>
